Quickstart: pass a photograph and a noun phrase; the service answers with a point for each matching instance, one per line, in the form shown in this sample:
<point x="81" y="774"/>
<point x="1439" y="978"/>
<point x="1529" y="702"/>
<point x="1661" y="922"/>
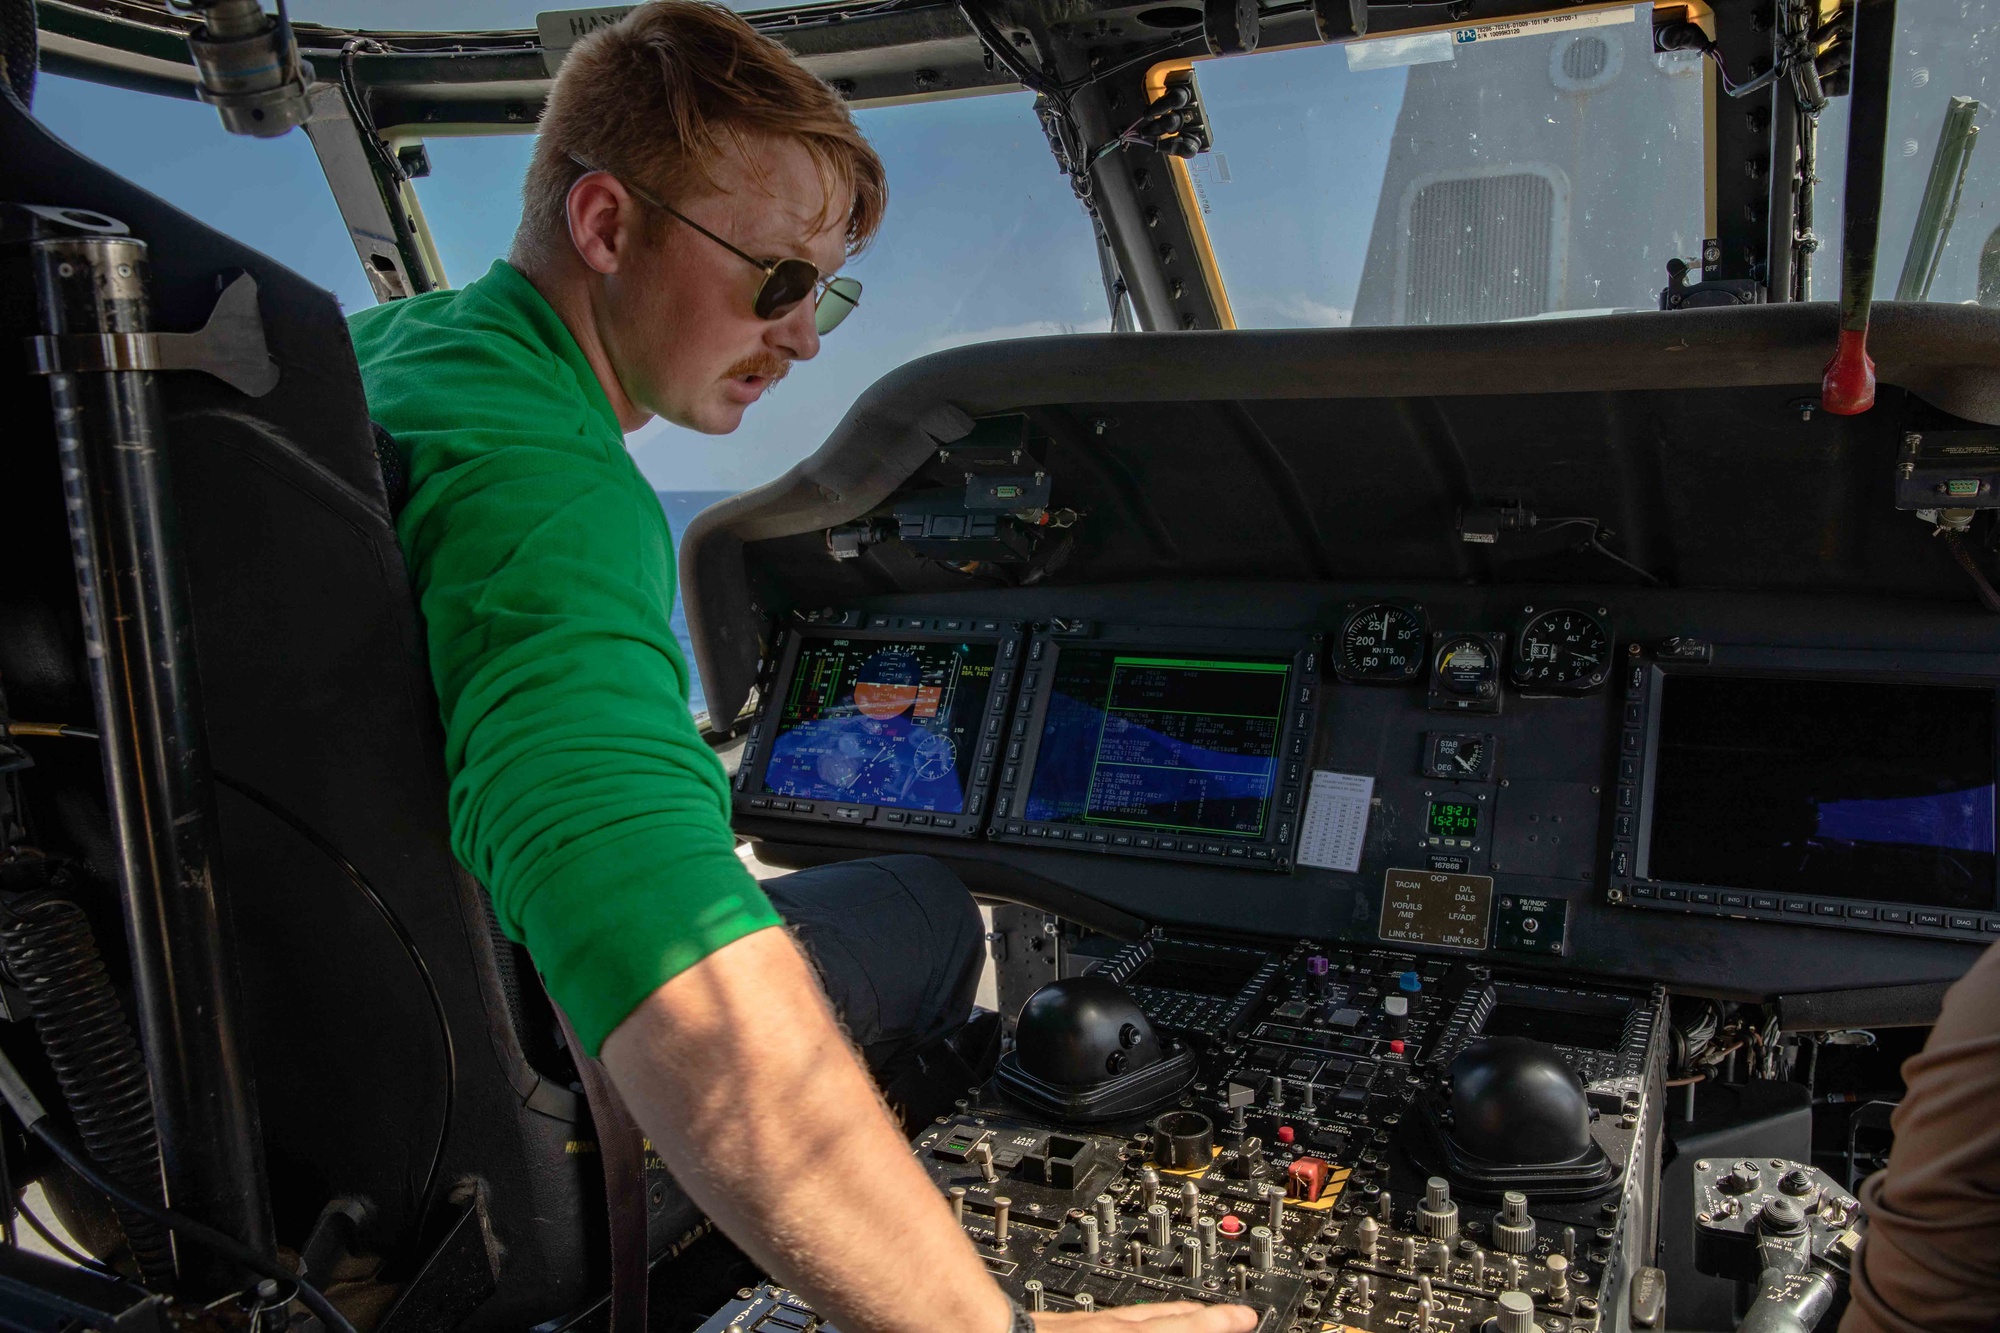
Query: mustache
<point x="764" y="366"/>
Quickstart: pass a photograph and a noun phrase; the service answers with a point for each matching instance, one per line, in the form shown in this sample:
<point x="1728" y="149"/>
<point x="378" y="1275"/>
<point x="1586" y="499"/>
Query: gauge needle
<point x="1463" y="762"/>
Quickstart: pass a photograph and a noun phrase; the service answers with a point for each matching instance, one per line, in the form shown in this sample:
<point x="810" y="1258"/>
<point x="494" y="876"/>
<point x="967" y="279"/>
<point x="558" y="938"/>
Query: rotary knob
<point x="1438" y="1214"/>
<point x="1513" y="1229"/>
<point x="1742" y="1178"/>
<point x="1517" y="1313"/>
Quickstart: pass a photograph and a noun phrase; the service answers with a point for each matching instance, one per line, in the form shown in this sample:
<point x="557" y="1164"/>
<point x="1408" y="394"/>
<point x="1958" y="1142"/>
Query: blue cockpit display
<point x="881" y="723"/>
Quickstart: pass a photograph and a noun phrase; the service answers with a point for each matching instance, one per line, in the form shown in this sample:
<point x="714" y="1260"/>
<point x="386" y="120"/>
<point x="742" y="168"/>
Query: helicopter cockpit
<point x="1431" y="565"/>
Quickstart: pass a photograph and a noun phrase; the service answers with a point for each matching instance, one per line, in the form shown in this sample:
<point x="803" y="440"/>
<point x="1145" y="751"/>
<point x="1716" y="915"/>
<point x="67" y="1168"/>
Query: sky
<point x="984" y="238"/>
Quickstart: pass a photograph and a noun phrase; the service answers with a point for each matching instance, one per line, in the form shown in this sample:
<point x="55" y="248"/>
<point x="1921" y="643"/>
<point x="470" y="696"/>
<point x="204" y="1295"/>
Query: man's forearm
<point x="750" y="1092"/>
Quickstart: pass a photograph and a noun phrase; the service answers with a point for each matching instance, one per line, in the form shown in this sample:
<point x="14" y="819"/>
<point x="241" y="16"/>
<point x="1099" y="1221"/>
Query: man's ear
<point x="603" y="220"/>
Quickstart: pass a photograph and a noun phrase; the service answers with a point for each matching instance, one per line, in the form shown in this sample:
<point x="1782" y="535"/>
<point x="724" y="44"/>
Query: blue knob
<point x="1410" y="982"/>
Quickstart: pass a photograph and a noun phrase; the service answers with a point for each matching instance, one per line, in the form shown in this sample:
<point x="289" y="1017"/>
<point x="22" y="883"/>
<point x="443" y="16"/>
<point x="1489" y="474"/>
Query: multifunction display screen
<point x="1841" y="789"/>
<point x="879" y="722"/>
<point x="1146" y="741"/>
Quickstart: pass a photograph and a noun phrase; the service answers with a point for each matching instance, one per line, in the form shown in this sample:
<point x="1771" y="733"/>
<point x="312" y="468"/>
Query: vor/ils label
<point x="1431" y="907"/>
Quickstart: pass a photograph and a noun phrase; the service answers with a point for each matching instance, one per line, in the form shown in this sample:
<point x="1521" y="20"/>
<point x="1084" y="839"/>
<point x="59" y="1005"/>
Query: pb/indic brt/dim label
<point x="1432" y="907"/>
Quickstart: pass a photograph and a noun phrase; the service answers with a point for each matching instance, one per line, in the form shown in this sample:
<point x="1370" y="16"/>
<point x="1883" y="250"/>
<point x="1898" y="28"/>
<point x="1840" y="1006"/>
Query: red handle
<point x="1848" y="386"/>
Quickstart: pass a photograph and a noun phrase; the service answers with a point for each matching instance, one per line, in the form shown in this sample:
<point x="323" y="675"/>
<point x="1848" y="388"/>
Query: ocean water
<point x="681" y="507"/>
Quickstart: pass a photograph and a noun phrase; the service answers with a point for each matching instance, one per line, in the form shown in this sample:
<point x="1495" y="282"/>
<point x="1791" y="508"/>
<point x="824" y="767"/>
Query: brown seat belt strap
<point x="621" y="1149"/>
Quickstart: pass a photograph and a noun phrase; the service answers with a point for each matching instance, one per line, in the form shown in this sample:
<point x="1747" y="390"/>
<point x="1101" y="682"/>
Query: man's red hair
<point x="664" y="94"/>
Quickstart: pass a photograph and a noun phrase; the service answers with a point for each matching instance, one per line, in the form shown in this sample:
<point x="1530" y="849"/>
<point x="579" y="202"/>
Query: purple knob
<point x="1316" y="966"/>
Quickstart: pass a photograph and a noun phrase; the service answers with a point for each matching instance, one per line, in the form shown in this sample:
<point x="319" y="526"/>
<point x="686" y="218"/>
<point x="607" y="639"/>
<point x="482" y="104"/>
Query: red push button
<point x="1395" y="1048"/>
<point x="1286" y="1134"/>
<point x="1230" y="1225"/>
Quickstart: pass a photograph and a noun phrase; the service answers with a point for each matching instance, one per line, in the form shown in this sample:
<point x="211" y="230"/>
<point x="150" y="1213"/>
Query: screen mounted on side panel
<point x="1860" y="790"/>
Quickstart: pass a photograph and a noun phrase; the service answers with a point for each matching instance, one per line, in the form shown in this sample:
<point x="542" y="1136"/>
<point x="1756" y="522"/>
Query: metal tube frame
<point x="139" y="643"/>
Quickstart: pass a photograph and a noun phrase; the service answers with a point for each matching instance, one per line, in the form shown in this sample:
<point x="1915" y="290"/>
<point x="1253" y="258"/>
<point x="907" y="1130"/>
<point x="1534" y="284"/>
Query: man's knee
<point x="942" y="898"/>
<point x="898" y="940"/>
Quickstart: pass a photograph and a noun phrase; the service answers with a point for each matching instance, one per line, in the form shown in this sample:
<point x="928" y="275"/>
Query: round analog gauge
<point x="1468" y="668"/>
<point x="1562" y="649"/>
<point x="1381" y="642"/>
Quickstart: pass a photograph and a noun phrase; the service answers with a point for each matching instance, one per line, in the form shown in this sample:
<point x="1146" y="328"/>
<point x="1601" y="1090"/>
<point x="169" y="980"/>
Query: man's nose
<point x="797" y="334"/>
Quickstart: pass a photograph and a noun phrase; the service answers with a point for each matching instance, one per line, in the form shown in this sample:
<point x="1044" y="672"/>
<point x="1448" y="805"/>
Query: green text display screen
<point x="1164" y="743"/>
<point x="1454" y="819"/>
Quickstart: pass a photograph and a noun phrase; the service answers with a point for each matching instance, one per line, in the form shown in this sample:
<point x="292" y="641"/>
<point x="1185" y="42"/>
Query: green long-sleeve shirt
<point x="581" y="794"/>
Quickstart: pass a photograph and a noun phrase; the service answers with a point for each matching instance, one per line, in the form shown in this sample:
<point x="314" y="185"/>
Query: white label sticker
<point x="1500" y="32"/>
<point x="1336" y="822"/>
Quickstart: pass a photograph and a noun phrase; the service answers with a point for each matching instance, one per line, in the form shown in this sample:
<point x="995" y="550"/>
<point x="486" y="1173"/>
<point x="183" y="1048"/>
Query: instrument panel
<point x="1457" y="772"/>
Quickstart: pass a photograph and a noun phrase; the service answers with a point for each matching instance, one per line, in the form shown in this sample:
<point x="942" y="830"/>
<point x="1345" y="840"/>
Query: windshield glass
<point x="1436" y="180"/>
<point x="420" y="15"/>
<point x="1945" y="53"/>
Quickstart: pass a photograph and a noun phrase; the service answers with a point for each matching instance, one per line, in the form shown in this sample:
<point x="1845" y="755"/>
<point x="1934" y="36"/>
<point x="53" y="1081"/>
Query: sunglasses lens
<point x="791" y="282"/>
<point x="837" y="303"/>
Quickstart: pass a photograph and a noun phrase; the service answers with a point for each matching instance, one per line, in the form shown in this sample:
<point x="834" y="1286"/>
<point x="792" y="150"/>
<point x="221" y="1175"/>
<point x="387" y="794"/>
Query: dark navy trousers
<point x="898" y="943"/>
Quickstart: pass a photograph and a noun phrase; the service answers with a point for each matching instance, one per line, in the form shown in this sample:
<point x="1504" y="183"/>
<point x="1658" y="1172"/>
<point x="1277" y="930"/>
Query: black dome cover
<point x="1513" y="1100"/>
<point x="1084" y="1050"/>
<point x="1080" y="1032"/>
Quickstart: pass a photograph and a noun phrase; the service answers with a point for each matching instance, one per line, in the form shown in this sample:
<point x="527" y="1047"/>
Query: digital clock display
<point x="1454" y="820"/>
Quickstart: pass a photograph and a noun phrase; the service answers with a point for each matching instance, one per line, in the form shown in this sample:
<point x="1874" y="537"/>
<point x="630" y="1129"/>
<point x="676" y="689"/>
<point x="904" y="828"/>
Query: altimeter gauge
<point x="1563" y="650"/>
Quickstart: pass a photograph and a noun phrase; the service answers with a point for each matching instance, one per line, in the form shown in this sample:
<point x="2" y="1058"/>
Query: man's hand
<point x="1170" y="1317"/>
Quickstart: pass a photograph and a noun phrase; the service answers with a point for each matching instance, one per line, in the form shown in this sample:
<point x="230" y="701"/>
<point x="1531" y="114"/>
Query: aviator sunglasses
<point x="786" y="281"/>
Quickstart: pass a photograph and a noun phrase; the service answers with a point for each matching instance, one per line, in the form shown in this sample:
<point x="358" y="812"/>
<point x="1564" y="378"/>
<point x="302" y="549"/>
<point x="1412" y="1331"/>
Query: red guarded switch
<point x="1306" y="1179"/>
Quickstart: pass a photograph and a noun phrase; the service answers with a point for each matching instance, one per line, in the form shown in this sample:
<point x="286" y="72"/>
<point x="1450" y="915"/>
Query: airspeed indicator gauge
<point x="1564" y="650"/>
<point x="1382" y="643"/>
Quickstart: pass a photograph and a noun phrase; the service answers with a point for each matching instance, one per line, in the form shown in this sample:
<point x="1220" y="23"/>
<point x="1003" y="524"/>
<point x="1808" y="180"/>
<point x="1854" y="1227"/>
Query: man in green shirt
<point x="690" y="189"/>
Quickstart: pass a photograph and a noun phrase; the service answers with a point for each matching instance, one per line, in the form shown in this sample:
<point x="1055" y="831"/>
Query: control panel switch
<point x="1517" y="1313"/>
<point x="1107" y="1215"/>
<point x="1306" y="1179"/>
<point x="1438" y="1214"/>
<point x="1191" y="1260"/>
<point x="1513" y="1229"/>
